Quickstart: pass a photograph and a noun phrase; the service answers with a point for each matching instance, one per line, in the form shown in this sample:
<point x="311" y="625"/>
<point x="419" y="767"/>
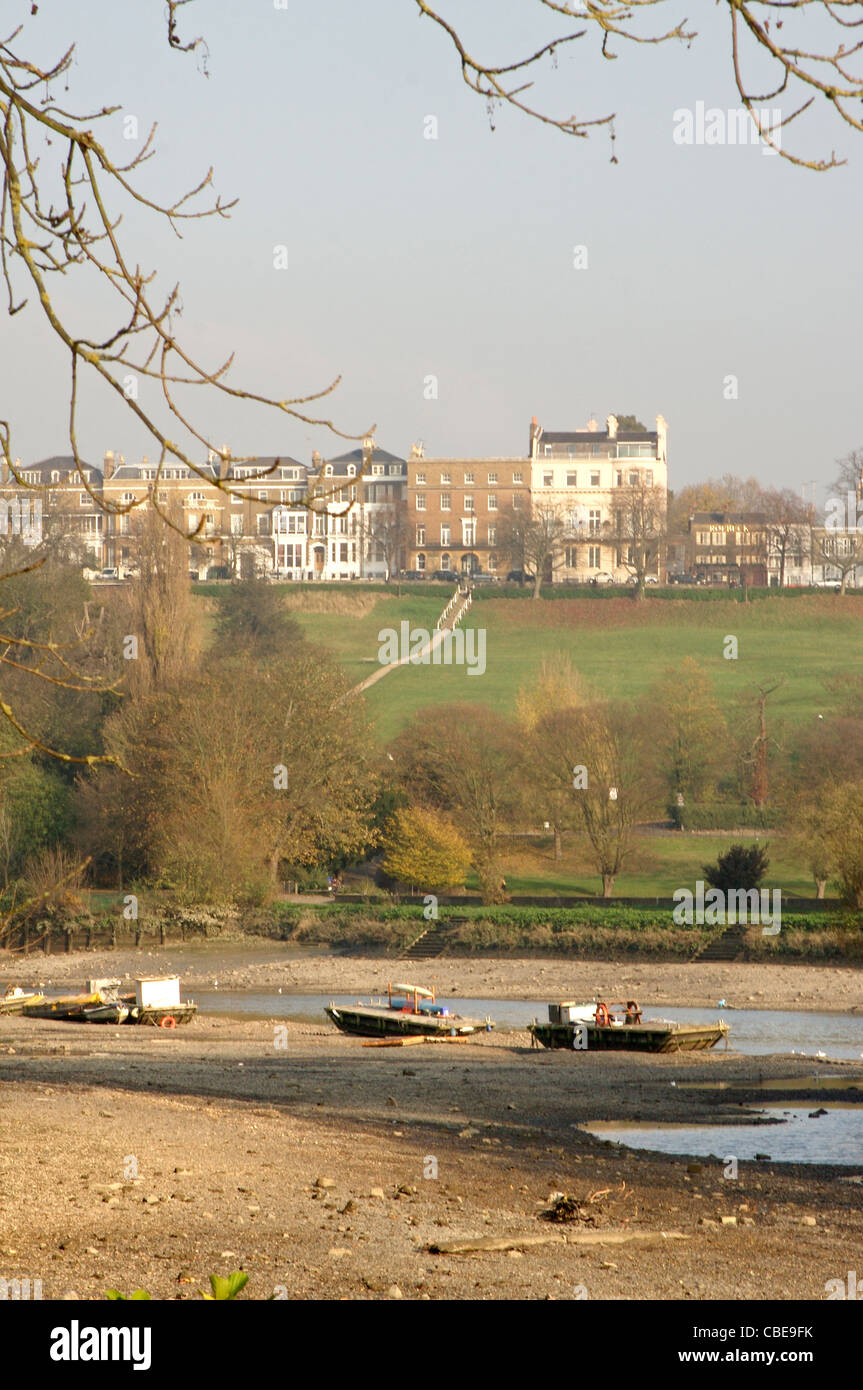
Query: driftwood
<point x="519" y="1242"/>
<point x="411" y="1040"/>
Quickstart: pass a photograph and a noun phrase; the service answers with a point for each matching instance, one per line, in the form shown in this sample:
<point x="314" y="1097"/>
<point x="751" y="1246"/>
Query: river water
<point x="753" y="1031"/>
<point x="836" y="1137"/>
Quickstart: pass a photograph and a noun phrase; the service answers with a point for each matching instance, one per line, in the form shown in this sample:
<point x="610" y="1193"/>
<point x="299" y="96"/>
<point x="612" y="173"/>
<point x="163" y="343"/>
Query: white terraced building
<point x="578" y="475"/>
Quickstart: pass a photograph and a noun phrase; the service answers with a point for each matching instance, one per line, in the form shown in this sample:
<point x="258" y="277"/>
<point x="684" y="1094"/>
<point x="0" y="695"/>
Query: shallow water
<point x="756" y="1032"/>
<point x="836" y="1137"/>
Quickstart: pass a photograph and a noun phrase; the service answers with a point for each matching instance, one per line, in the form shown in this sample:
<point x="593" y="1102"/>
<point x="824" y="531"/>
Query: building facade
<point x="586" y="477"/>
<point x="454" y="508"/>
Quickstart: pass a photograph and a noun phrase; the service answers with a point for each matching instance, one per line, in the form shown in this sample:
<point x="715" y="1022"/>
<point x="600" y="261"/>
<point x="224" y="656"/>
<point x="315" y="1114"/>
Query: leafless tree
<point x="534" y="538"/>
<point x="787" y="523"/>
<point x="640" y="529"/>
<point x="387" y="528"/>
<point x="810" y="48"/>
<point x="839" y="550"/>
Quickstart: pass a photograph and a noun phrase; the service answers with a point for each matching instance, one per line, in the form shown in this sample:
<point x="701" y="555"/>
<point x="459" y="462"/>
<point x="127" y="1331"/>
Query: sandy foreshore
<point x="133" y="1157"/>
<point x="269" y="966"/>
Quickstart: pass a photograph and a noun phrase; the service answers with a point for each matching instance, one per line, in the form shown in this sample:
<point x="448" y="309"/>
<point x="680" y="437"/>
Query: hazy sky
<point x="410" y="257"/>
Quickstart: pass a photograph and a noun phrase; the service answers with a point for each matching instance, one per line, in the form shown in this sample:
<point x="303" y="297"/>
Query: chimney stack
<point x="611" y="426"/>
<point x="661" y="429"/>
<point x="4" y="470"/>
<point x="108" y="465"/>
<point x="535" y="435"/>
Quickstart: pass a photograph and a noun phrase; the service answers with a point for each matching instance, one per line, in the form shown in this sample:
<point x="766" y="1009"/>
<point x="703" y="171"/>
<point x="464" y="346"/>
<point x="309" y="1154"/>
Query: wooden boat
<point x="164" y="1016"/>
<point x="409" y="1011"/>
<point x="14" y="1000"/>
<point x="67" y="1007"/>
<point x="111" y="1011"/>
<point x="598" y="1028"/>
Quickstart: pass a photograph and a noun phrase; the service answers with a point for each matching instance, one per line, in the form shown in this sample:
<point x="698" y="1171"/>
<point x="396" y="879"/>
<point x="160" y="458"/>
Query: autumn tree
<point x="810" y="842"/>
<point x="251" y="618"/>
<point x="462" y="761"/>
<point x="164" y="622"/>
<point x="838" y="837"/>
<point x="689" y="729"/>
<point x="557" y="686"/>
<point x="424" y="849"/>
<point x="596" y="757"/>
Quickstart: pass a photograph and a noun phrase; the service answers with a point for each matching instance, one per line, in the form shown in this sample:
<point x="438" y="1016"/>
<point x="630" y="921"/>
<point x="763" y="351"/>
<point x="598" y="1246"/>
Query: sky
<point x="439" y="277"/>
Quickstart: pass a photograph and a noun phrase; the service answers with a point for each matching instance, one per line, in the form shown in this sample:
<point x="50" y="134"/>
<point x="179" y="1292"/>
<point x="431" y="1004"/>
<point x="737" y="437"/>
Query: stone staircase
<point x="727" y="946"/>
<point x="431" y="943"/>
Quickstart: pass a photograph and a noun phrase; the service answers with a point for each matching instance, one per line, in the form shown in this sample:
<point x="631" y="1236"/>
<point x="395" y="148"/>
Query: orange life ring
<point x="168" y="1021"/>
<point x="603" y="1017"/>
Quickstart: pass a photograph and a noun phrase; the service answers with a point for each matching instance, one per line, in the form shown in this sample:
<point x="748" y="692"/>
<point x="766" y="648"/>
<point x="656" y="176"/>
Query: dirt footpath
<point x="130" y="1157"/>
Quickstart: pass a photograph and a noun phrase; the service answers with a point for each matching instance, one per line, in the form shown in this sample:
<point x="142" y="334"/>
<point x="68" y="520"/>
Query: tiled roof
<point x="59" y="463"/>
<point x="356" y="456"/>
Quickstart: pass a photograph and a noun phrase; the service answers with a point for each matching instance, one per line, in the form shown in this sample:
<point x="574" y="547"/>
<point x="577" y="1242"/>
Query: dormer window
<point x="328" y="471"/>
<point x="352" y="470"/>
<point x="55" y="476"/>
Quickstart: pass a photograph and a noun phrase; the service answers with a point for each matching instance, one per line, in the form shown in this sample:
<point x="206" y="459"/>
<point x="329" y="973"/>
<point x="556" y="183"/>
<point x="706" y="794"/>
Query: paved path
<point x="447" y="624"/>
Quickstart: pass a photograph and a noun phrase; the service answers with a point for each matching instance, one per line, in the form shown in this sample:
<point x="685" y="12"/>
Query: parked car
<point x="602" y="578"/>
<point x="648" y="579"/>
<point x="517" y="577"/>
<point x="110" y="573"/>
<point x="682" y="579"/>
<point x="446" y="576"/>
<point x="413" y="574"/>
<point x="483" y="578"/>
<point x="834" y="584"/>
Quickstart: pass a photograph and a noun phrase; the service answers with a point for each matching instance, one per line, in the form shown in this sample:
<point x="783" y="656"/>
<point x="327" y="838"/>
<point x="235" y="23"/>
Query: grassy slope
<point x="659" y="865"/>
<point x="619" y="647"/>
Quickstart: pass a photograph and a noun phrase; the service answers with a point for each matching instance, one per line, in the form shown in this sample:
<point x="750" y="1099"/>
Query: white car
<point x="602" y="578"/>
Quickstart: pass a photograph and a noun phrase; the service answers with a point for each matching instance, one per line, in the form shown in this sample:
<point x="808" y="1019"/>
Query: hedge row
<point x="720" y="815"/>
<point x="583" y="932"/>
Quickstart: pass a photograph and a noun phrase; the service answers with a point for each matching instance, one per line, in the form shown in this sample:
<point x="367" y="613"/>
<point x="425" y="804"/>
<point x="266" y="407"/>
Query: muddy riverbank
<point x="132" y="1157"/>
